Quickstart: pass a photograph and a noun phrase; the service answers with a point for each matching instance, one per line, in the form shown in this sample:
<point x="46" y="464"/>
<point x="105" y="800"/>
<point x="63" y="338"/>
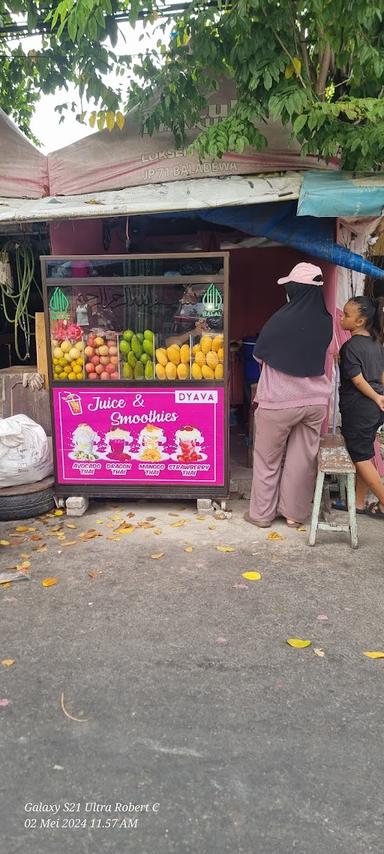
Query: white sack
<point x="25" y="452"/>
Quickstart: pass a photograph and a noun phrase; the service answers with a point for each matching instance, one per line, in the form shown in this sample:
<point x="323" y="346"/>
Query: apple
<point x="91" y="341"/>
<point x="110" y="368"/>
<point x="114" y="360"/>
<point x="89" y="351"/>
<point x="95" y="360"/>
<point x="114" y="376"/>
<point x="104" y="376"/>
<point x="93" y="376"/>
<point x="99" y="369"/>
<point x="103" y="351"/>
<point x="89" y="368"/>
<point x="99" y="341"/>
<point x="104" y="360"/>
<point x="112" y="350"/>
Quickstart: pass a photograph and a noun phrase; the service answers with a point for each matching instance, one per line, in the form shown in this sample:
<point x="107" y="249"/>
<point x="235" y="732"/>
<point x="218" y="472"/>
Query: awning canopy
<point x="187" y="195"/>
<point x="341" y="194"/>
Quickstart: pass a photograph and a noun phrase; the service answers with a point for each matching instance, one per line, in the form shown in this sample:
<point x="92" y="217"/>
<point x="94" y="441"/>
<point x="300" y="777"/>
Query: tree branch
<point x="325" y="63"/>
<point x="304" y="54"/>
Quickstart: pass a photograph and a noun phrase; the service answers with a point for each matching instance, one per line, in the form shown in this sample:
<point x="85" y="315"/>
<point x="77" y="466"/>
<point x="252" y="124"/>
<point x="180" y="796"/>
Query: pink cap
<point x="303" y="274"/>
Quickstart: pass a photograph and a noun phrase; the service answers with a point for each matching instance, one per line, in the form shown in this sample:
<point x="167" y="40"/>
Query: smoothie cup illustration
<point x="119" y="443"/>
<point x="188" y="444"/>
<point x="74" y="403"/>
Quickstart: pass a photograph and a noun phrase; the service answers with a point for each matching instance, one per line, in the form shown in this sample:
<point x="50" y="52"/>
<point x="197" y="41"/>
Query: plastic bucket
<point x="251" y="367"/>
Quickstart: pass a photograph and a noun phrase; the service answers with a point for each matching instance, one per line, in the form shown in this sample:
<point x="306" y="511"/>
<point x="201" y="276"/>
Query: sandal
<point x="374" y="511"/>
<point x="259" y="524"/>
<point x="339" y="505"/>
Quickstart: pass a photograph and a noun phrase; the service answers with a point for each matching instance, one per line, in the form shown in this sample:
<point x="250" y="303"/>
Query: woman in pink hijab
<point x="292" y="395"/>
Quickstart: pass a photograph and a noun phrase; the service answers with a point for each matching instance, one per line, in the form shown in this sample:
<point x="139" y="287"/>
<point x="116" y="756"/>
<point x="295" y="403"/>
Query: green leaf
<point x="299" y="123"/>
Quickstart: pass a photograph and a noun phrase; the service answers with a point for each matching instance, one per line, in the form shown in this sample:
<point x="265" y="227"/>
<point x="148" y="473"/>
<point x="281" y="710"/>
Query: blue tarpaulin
<point x="278" y="222"/>
<point x="340" y="194"/>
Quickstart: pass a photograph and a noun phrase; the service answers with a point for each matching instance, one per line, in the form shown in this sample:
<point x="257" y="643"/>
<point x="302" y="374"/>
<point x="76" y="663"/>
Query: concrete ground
<point x="192" y="706"/>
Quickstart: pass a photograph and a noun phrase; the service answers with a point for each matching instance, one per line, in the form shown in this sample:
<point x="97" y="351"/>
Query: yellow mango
<point x="160" y="372"/>
<point x="173" y="353"/>
<point x="200" y="359"/>
<point x="207" y="373"/>
<point x="185" y="354"/>
<point x="206" y="343"/>
<point x="212" y="359"/>
<point x="217" y="343"/>
<point x="219" y="372"/>
<point x="196" y="349"/>
<point x="220" y="354"/>
<point x="161" y="356"/>
<point x="183" y="371"/>
<point x="170" y="371"/>
<point x="196" y="371"/>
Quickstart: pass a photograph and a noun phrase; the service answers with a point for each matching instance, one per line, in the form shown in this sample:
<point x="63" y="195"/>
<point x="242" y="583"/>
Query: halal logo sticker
<point x="213" y="302"/>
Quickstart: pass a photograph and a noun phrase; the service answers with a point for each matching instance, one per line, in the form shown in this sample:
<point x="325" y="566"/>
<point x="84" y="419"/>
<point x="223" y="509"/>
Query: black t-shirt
<point x="360" y="355"/>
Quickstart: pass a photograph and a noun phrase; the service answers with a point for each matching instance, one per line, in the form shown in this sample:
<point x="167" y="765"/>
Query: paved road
<point x="196" y="709"/>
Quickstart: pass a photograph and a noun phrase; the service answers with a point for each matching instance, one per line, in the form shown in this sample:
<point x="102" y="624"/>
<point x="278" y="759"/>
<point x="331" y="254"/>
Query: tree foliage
<point x="316" y="65"/>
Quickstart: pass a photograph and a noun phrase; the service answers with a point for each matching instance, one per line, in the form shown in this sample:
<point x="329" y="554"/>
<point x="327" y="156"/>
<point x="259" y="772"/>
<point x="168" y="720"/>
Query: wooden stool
<point x="333" y="458"/>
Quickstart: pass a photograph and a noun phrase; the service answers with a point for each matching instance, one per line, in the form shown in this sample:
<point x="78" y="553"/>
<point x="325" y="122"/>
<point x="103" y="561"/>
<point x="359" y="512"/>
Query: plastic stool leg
<point x="352" y="510"/>
<point x="316" y="508"/>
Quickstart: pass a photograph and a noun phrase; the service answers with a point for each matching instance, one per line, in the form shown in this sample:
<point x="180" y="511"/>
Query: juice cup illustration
<point x="74" y="403"/>
<point x="188" y="444"/>
<point x="120" y="442"/>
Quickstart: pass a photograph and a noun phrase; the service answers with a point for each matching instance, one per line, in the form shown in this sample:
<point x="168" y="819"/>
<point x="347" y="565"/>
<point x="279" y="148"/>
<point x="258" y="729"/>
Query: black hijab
<point x="295" y="339"/>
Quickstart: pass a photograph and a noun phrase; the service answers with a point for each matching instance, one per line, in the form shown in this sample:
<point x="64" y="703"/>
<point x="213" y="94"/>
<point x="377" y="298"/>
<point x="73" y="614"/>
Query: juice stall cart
<point x="138" y="367"/>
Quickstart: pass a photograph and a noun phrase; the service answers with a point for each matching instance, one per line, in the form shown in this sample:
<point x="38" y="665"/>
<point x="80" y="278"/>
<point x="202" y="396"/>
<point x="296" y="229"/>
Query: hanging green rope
<point x="17" y="295"/>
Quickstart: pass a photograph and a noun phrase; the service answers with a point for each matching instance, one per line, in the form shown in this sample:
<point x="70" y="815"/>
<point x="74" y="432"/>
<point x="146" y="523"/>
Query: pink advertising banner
<point x="140" y="436"/>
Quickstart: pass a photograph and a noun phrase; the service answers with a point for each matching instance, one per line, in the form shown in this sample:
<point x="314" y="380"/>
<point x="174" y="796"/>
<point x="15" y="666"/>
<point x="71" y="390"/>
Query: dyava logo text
<point x="193" y="396"/>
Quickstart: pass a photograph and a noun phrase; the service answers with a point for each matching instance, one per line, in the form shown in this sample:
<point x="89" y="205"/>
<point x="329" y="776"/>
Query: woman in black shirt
<point x="362" y="394"/>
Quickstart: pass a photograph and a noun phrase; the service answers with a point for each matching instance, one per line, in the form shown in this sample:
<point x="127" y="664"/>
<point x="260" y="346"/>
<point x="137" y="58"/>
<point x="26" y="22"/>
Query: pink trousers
<point x="285" y="490"/>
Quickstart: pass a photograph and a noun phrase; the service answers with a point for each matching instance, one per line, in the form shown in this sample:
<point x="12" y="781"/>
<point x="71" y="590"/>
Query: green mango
<point x="140" y="336"/>
<point x="144" y="358"/>
<point x="148" y="346"/>
<point x="127" y="335"/>
<point x="124" y="346"/>
<point x="148" y="335"/>
<point x="149" y="371"/>
<point x="137" y="349"/>
<point x="127" y="372"/>
<point x="139" y="371"/>
<point x="132" y="359"/>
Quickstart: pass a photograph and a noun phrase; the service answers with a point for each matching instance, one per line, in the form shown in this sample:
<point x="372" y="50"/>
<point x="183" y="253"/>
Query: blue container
<point x="251" y="367"/>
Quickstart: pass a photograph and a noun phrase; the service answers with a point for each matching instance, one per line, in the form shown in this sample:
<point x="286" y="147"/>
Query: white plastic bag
<point x="25" y="451"/>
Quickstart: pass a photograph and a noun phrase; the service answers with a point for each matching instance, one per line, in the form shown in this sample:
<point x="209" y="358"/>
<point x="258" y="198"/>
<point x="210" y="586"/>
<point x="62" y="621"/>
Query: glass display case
<point x="134" y="324"/>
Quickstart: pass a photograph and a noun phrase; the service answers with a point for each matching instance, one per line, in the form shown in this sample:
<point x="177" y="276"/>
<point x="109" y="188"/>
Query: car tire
<point x="27" y="501"/>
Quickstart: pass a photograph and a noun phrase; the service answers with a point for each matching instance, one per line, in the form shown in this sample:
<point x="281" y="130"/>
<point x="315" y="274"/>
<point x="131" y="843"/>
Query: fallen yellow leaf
<point x="178" y="524"/>
<point x="4" y="543"/>
<point x="22" y="567"/>
<point x="275" y="536"/>
<point x="6" y="584"/>
<point x="188" y="549"/>
<point x="21" y="529"/>
<point x="374" y="654"/>
<point x="225" y="549"/>
<point x="115" y="539"/>
<point x="301" y="530"/>
<point x="157" y="556"/>
<point x="157" y="531"/>
<point x="41" y="549"/>
<point x="252" y="575"/>
<point x="298" y="643"/>
<point x="173" y="514"/>
<point x="93" y="573"/>
<point x="89" y="535"/>
<point x="212" y="527"/>
<point x="49" y="582"/>
<point x="99" y="521"/>
<point x="125" y="529"/>
<point x="70" y="543"/>
<point x="7" y="662"/>
<point x="70" y="525"/>
<point x="201" y="518"/>
<point x="59" y="513"/>
<point x="318" y="651"/>
<point x="25" y="556"/>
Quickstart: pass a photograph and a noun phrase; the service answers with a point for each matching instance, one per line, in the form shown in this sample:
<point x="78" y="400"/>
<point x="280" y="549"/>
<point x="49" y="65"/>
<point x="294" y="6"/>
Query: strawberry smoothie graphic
<point x="188" y="445"/>
<point x="85" y="441"/>
<point x="151" y="440"/>
<point x="118" y="440"/>
<point x="74" y="403"/>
